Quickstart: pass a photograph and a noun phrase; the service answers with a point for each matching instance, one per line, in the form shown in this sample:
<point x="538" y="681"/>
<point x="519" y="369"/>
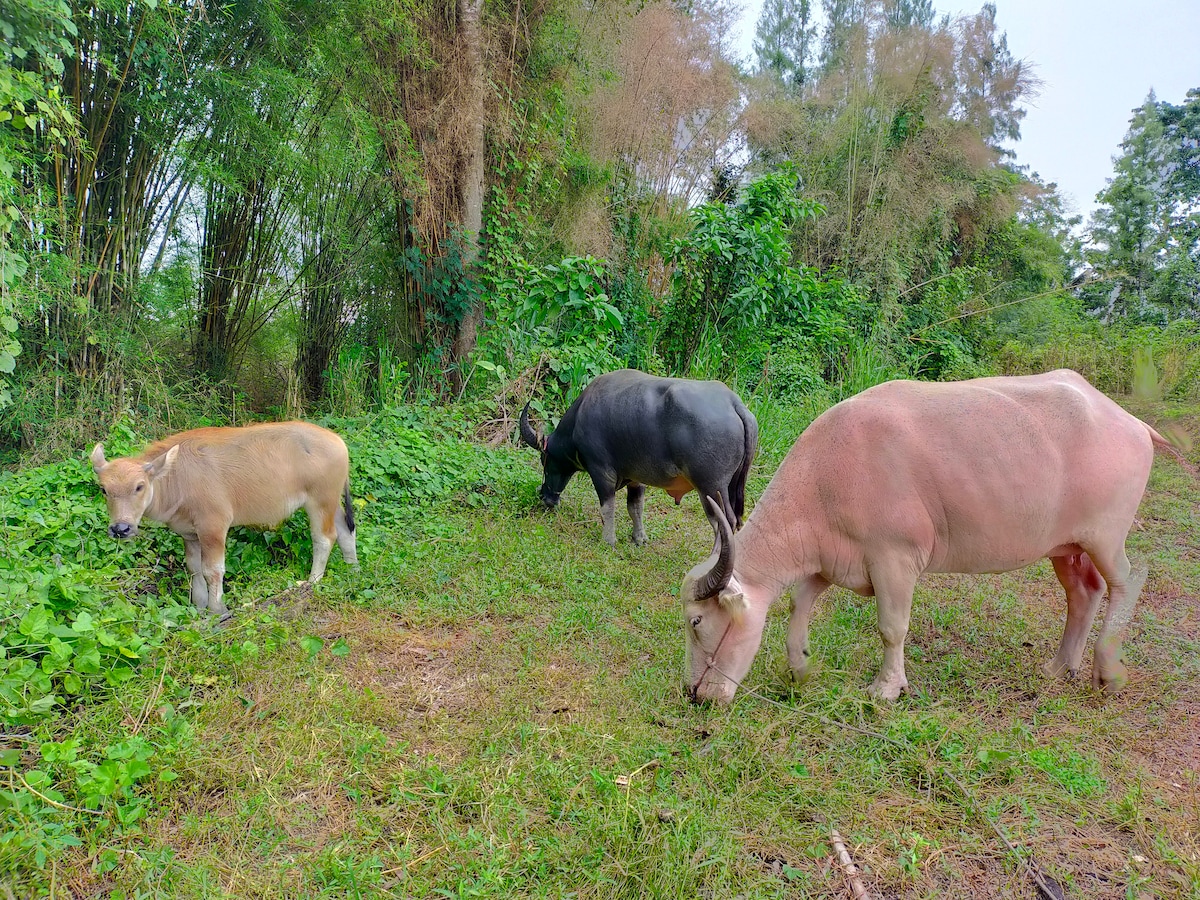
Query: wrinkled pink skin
<point x="988" y="475"/>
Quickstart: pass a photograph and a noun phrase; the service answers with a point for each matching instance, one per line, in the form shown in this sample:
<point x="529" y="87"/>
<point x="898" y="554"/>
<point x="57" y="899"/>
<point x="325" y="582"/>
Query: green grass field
<point x="492" y="707"/>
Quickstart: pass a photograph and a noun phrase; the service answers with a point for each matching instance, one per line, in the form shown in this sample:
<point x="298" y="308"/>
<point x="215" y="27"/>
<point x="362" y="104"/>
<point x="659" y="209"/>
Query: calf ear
<point x="734" y="603"/>
<point x="160" y="465"/>
<point x="98" y="460"/>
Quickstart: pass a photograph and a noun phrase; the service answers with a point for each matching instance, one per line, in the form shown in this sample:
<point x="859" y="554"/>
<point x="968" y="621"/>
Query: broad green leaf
<point x="35" y="624"/>
<point x="311" y="644"/>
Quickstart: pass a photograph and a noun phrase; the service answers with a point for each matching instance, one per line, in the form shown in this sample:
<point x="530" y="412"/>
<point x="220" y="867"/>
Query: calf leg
<point x="1085" y="589"/>
<point x="199" y="589"/>
<point x="1124" y="586"/>
<point x="212" y="564"/>
<point x="893" y="594"/>
<point x="321" y="523"/>
<point x="804" y="595"/>
<point x="345" y="539"/>
<point x="635" y="503"/>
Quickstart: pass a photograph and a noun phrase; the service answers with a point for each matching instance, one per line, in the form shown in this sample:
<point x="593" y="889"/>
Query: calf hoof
<point x="887" y="689"/>
<point x="1111" y="681"/>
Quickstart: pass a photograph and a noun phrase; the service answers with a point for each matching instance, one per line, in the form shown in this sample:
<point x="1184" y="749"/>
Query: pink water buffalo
<point x="987" y="475"/>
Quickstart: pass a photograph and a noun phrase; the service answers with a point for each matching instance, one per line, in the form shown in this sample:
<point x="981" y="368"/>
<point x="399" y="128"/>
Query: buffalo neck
<point x="774" y="549"/>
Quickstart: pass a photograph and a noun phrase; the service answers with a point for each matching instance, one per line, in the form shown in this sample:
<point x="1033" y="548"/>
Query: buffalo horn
<point x="717" y="578"/>
<point x="528" y="435"/>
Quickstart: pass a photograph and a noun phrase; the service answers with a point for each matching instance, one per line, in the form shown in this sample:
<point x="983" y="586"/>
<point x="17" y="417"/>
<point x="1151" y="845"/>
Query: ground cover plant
<point x="492" y="706"/>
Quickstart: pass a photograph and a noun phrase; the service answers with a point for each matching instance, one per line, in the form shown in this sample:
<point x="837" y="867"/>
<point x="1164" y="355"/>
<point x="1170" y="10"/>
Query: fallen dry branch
<point x="849" y="869"/>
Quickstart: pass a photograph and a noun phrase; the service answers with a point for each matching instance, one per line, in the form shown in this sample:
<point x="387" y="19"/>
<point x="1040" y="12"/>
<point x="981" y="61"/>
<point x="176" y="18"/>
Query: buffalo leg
<point x="1085" y="589"/>
<point x="1124" y="585"/>
<point x="606" y="491"/>
<point x="893" y="594"/>
<point x="212" y="565"/>
<point x="804" y="595"/>
<point x="199" y="589"/>
<point x="635" y="502"/>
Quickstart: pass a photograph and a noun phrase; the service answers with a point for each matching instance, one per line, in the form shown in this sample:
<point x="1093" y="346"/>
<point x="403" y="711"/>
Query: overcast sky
<point x="1097" y="60"/>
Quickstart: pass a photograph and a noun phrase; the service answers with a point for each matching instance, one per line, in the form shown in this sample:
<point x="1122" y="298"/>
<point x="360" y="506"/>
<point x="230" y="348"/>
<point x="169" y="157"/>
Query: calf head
<point x="128" y="486"/>
<point x="556" y="470"/>
<point x="722" y="627"/>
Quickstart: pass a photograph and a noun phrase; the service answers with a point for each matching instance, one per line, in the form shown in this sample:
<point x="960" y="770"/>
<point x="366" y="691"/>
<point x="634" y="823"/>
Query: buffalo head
<point x="722" y="627"/>
<point x="557" y="469"/>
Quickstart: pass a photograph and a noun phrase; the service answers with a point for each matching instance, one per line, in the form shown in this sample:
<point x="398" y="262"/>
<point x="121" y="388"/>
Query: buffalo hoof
<point x="796" y="680"/>
<point x="1054" y="669"/>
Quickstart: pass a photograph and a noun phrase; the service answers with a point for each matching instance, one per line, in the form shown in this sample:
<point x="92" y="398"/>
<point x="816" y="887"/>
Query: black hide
<point x="630" y="429"/>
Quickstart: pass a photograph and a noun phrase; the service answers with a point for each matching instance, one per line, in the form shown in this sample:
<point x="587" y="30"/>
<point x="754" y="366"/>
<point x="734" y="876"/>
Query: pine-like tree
<point x="1127" y="228"/>
<point x="784" y="39"/>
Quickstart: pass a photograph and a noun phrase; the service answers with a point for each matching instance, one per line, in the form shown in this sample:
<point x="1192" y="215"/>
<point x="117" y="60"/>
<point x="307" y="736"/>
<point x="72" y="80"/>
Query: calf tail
<point x="348" y="506"/>
<point x="1169" y="447"/>
<point x="737" y="487"/>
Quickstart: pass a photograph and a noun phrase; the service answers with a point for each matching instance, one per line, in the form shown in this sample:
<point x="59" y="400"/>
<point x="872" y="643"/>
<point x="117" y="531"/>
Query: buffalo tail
<point x="737" y="487"/>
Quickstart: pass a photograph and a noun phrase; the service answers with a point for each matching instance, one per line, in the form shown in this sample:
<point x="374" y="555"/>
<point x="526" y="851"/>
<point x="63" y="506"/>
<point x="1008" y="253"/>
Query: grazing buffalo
<point x="975" y="476"/>
<point x="201" y="482"/>
<point x="630" y="429"/>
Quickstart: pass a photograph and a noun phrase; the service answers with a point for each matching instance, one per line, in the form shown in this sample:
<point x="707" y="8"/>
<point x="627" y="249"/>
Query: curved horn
<point x="717" y="578"/>
<point x="528" y="435"/>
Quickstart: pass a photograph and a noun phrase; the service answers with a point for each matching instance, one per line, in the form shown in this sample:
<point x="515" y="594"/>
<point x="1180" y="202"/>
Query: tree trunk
<point x="471" y="180"/>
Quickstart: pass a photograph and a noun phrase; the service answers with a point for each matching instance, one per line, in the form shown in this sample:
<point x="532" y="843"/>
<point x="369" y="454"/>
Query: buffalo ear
<point x="98" y="460"/>
<point x="162" y="464"/>
<point x="734" y="603"/>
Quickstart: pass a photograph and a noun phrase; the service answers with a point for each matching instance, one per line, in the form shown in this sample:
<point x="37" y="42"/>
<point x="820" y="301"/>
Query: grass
<point x="494" y="709"/>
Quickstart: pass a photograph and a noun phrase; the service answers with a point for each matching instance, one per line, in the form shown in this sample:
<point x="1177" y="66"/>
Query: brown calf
<point x="200" y="483"/>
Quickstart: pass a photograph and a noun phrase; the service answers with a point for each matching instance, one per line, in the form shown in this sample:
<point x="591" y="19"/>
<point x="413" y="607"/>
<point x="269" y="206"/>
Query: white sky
<point x="1097" y="60"/>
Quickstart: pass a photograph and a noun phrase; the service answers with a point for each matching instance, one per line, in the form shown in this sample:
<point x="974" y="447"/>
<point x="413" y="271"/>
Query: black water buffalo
<point x="630" y="429"/>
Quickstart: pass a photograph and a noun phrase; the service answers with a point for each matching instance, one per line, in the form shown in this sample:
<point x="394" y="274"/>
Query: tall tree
<point x="783" y="41"/>
<point x="1127" y="227"/>
<point x="471" y="176"/>
<point x="991" y="82"/>
<point x="133" y="89"/>
<point x="37" y="39"/>
<point x="669" y="108"/>
<point x="898" y="146"/>
<point x="898" y="14"/>
<point x="843" y="20"/>
<point x="1177" y="283"/>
